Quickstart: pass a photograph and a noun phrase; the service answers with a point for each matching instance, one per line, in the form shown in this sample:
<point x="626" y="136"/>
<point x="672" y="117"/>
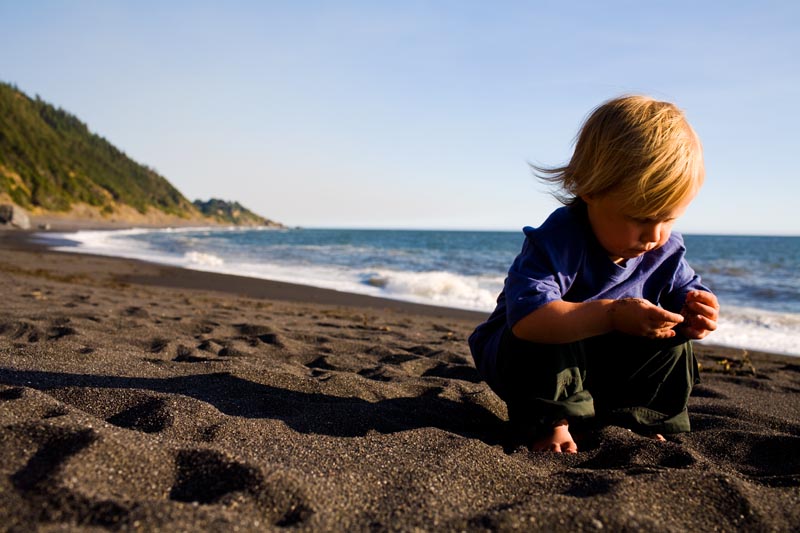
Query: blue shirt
<point x="562" y="260"/>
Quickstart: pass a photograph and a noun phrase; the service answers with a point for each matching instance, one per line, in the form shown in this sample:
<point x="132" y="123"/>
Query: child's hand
<point x="636" y="316"/>
<point x="700" y="313"/>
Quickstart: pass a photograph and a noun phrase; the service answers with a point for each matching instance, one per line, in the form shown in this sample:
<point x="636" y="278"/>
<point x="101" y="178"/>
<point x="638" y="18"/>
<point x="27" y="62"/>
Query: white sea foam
<point x="202" y="259"/>
<point x="104" y="242"/>
<point x="442" y="288"/>
<point x="757" y="329"/>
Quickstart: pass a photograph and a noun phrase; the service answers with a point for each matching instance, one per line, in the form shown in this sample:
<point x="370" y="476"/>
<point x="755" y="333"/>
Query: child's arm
<point x="561" y="322"/>
<point x="701" y="312"/>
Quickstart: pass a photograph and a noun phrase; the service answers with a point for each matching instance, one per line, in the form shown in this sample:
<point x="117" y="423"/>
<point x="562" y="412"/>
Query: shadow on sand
<point x="311" y="413"/>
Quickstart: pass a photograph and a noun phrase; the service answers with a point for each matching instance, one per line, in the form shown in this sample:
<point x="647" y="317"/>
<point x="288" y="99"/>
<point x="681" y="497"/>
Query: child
<point x="597" y="312"/>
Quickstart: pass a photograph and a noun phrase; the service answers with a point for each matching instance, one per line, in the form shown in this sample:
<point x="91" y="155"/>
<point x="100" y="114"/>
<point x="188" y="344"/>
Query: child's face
<point x="624" y="236"/>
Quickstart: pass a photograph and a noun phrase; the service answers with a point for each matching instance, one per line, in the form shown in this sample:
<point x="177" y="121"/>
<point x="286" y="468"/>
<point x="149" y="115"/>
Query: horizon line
<point x="516" y="230"/>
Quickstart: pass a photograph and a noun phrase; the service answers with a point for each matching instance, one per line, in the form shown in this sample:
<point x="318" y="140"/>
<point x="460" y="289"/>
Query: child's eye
<point x="651" y="220"/>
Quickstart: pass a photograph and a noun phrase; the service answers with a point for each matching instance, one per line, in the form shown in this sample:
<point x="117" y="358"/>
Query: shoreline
<point x="158" y="275"/>
<point x="187" y="278"/>
<point x="150" y="274"/>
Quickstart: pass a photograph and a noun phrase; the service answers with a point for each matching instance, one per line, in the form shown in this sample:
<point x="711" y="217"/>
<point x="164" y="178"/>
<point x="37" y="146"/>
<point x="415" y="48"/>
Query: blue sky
<point x="418" y="114"/>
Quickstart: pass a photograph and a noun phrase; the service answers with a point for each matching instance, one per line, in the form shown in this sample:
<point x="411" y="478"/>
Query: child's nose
<point x="651" y="233"/>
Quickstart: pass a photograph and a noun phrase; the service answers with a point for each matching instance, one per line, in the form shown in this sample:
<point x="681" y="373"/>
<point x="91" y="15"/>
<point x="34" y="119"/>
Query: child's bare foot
<point x="559" y="440"/>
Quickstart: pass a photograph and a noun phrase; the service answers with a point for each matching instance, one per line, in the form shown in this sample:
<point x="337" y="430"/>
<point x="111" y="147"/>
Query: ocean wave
<point x="202" y="259"/>
<point x="757" y="329"/>
<point x="439" y="287"/>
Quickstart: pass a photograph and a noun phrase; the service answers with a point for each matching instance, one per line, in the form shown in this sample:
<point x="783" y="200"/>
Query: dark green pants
<point x="634" y="382"/>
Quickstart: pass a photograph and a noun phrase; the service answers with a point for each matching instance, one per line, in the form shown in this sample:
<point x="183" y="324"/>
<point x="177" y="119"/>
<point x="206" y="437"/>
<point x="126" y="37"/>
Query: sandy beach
<point x="141" y="397"/>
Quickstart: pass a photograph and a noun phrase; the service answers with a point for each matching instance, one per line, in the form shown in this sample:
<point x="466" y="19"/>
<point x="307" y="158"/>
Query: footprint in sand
<point x="210" y="478"/>
<point x="255" y="334"/>
<point x="137" y="312"/>
<point x="151" y="415"/>
<point x="21" y="330"/>
<point x="58" y="332"/>
<point x="184" y="354"/>
<point x="46" y="497"/>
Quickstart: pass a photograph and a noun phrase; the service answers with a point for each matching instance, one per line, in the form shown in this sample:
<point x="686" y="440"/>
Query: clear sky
<point x="419" y="114"/>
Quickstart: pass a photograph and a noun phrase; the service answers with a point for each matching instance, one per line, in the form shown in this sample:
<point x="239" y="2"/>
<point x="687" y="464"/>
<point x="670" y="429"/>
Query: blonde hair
<point x="637" y="147"/>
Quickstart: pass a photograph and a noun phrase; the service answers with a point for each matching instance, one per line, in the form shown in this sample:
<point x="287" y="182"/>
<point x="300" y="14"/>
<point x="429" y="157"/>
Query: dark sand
<point x="135" y="396"/>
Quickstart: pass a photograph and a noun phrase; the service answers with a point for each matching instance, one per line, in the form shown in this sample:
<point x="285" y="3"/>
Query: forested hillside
<point x="50" y="160"/>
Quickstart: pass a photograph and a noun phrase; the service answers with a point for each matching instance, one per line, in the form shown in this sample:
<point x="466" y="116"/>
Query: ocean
<point x="757" y="279"/>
